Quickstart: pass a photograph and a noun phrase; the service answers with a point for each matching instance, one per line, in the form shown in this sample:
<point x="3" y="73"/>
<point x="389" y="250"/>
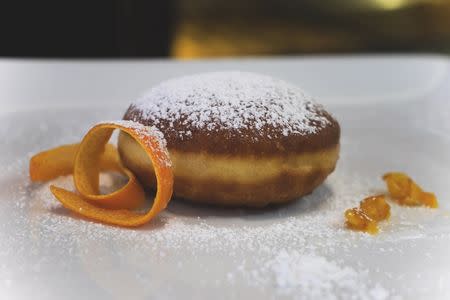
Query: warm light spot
<point x="391" y="4"/>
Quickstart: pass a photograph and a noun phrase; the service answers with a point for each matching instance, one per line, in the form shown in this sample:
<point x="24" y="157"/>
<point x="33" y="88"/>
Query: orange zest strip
<point x="93" y="155"/>
<point x="405" y="191"/>
<point x="59" y="161"/>
<point x="87" y="169"/>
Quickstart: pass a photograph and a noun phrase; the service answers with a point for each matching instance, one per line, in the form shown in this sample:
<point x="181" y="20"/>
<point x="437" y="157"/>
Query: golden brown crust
<point x="282" y="189"/>
<point x="236" y="138"/>
<point x="242" y="142"/>
<point x="225" y="180"/>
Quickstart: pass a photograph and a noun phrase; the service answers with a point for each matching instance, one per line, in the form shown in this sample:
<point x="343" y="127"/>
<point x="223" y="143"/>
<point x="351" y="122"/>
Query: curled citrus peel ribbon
<point x="93" y="155"/>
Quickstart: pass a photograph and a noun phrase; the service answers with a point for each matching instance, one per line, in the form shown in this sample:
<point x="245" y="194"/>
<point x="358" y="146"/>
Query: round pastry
<point x="236" y="138"/>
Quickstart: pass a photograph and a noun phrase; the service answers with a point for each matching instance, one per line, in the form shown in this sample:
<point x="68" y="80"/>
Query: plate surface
<point x="395" y="115"/>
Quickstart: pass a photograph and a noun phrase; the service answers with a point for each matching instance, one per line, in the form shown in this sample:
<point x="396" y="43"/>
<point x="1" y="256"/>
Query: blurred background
<point x="186" y="29"/>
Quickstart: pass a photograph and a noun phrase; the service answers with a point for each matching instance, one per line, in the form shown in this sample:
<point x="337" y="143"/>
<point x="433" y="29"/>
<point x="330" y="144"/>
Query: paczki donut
<point x="235" y="138"/>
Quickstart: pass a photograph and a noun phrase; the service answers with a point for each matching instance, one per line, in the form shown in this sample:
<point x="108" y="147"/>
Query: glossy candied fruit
<point x="429" y="199"/>
<point x="356" y="219"/>
<point x="376" y="207"/>
<point x="365" y="218"/>
<point x="406" y="192"/>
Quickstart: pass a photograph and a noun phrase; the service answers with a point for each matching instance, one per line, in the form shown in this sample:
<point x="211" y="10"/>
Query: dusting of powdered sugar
<point x="296" y="273"/>
<point x="297" y="251"/>
<point x="288" y="252"/>
<point x="144" y="131"/>
<point x="301" y="251"/>
<point x="232" y="101"/>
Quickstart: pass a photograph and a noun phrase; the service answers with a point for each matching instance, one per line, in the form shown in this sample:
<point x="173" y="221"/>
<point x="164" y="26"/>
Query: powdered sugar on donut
<point x="144" y="131"/>
<point x="233" y="100"/>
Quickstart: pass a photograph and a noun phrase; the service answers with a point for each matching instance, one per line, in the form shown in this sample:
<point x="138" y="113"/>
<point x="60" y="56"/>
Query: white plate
<point x="394" y="113"/>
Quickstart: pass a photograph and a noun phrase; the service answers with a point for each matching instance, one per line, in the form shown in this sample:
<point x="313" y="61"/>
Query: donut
<point x="235" y="138"/>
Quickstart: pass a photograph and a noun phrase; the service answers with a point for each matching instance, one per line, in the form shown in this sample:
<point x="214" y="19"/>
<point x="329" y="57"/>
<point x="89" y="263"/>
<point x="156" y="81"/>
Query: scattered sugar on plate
<point x="292" y="248"/>
<point x="297" y="251"/>
<point x="316" y="277"/>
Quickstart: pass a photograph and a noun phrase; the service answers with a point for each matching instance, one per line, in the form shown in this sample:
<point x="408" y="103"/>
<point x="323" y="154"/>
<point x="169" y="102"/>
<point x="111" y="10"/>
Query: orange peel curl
<point x="93" y="155"/>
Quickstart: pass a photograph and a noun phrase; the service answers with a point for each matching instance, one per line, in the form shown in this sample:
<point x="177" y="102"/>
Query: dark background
<point x="213" y="28"/>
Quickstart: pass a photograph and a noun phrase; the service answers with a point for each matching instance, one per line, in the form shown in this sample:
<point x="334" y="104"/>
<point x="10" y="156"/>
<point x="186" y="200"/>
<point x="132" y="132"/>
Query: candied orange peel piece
<point x="376" y="207"/>
<point x="93" y="155"/>
<point x="356" y="219"/>
<point x="406" y="192"/>
<point x="365" y="218"/>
